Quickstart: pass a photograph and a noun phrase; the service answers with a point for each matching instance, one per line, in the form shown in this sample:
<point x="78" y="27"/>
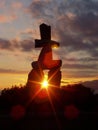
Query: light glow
<point x="54" y="46"/>
<point x="45" y="82"/>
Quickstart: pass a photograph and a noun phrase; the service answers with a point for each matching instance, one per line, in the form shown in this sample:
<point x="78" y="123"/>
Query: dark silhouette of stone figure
<point x="45" y="60"/>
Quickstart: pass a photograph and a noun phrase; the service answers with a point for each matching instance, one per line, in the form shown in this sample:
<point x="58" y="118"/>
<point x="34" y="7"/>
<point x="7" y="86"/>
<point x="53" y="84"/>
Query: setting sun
<point x="45" y="82"/>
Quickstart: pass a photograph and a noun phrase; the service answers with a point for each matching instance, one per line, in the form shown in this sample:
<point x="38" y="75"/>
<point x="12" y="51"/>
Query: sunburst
<point x="44" y="83"/>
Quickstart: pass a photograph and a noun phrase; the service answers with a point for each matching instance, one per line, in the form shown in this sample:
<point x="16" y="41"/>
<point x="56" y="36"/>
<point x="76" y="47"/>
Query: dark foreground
<point x="74" y="107"/>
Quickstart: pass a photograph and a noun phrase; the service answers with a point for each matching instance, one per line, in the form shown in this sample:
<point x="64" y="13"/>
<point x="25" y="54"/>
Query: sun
<point x="45" y="82"/>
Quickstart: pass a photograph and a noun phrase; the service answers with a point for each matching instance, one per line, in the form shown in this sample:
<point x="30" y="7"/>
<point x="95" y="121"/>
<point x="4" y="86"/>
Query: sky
<point x="74" y="25"/>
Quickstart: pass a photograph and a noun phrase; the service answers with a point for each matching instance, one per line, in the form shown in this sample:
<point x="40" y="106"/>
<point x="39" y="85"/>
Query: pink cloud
<point x="2" y="4"/>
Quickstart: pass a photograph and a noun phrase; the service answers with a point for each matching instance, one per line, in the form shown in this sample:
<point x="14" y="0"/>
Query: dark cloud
<point x="5" y="44"/>
<point x="82" y="60"/>
<point x="83" y="27"/>
<point x="40" y="9"/>
<point x="78" y="6"/>
<point x="76" y="25"/>
<point x="74" y="21"/>
<point x="77" y="74"/>
<point x="80" y="66"/>
<point x="12" y="71"/>
<point x="81" y="35"/>
<point x="86" y="24"/>
<point x="11" y="45"/>
<point x="27" y="45"/>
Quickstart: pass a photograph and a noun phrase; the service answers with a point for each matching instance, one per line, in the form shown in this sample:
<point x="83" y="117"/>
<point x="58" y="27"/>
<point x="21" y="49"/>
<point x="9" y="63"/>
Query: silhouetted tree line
<point x="69" y="107"/>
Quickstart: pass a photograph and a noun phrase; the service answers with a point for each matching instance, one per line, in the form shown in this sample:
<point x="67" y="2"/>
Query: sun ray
<point x="33" y="97"/>
<point x="54" y="111"/>
<point x="37" y="92"/>
<point x="52" y="77"/>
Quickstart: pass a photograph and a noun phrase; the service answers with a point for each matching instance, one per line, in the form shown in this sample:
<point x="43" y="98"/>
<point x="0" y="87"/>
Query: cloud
<point x="79" y="76"/>
<point x="79" y="66"/>
<point x="5" y="44"/>
<point x="87" y="59"/>
<point x="74" y="24"/>
<point x="79" y="73"/>
<point x="39" y="9"/>
<point x="12" y="45"/>
<point x="86" y="25"/>
<point x="10" y="71"/>
<point x="2" y="4"/>
<point x="10" y="11"/>
<point x="27" y="45"/>
<point x="3" y="19"/>
<point x="27" y="31"/>
<point x="7" y="18"/>
<point x="16" y="5"/>
<point x="73" y="21"/>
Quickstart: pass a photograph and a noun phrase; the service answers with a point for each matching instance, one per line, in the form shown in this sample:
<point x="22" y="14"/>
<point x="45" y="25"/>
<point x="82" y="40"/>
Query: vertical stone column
<point x="54" y="77"/>
<point x="35" y="77"/>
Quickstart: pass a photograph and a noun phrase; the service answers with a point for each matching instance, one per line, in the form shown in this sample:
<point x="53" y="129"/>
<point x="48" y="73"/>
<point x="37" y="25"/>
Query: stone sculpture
<point x="45" y="60"/>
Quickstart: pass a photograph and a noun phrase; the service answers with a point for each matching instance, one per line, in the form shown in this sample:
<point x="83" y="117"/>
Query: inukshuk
<point x="45" y="60"/>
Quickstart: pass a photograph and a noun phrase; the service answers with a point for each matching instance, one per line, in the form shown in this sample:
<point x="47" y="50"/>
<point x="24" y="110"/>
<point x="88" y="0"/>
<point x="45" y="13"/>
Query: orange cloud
<point x="17" y="5"/>
<point x="71" y="15"/>
<point x="27" y="31"/>
<point x="5" y="19"/>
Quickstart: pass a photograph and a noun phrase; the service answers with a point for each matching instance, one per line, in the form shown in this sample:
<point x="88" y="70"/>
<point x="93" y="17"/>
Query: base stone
<point x="35" y="77"/>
